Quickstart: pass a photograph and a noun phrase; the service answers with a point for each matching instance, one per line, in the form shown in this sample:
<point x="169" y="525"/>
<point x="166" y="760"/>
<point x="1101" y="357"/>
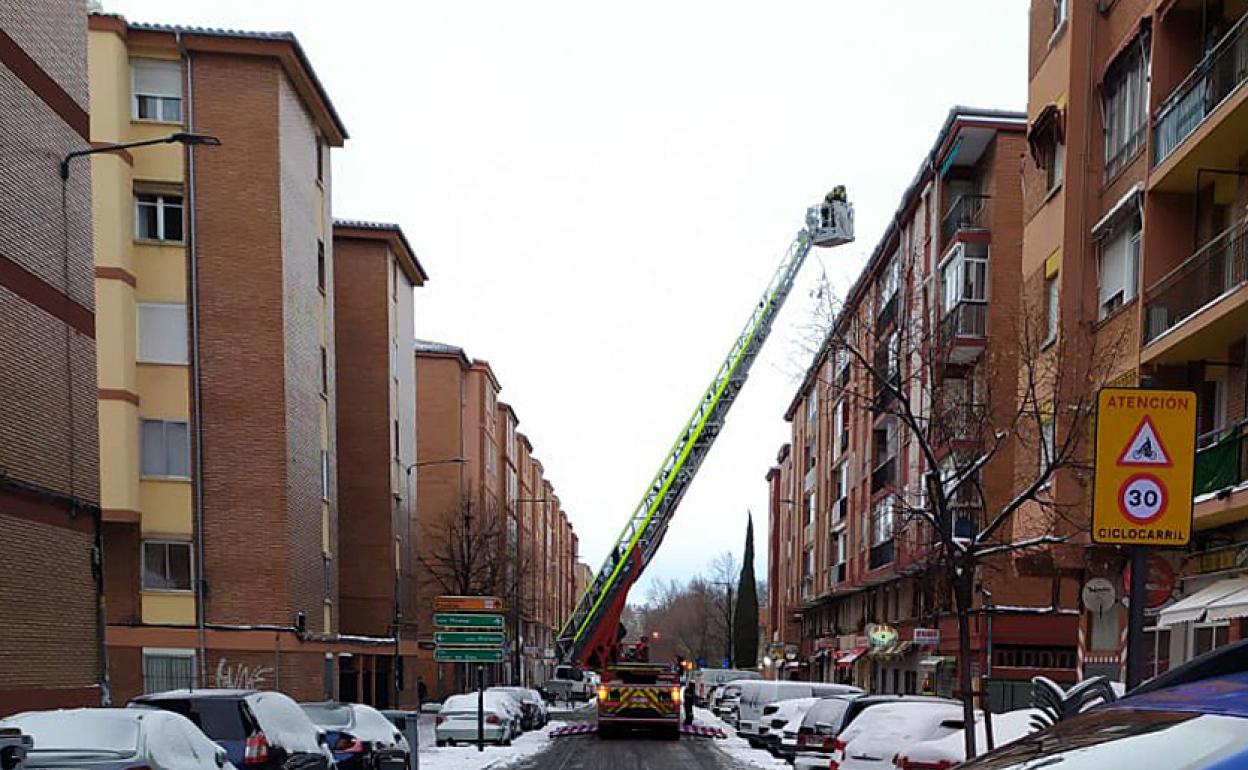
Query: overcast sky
<point x="600" y="191"/>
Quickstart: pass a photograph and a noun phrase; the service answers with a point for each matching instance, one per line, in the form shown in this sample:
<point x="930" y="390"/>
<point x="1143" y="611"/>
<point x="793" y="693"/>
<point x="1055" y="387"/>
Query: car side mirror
<point x="220" y="756"/>
<point x="321" y="739"/>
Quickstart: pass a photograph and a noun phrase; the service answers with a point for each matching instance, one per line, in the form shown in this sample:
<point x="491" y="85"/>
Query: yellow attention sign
<point x="1145" y="450"/>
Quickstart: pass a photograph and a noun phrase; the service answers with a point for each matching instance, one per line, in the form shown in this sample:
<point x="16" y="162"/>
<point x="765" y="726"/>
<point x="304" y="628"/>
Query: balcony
<point x="967" y="212"/>
<point x="1223" y="464"/>
<point x="964" y="329"/>
<point x="884" y="475"/>
<point x="1211" y="284"/>
<point x="881" y="554"/>
<point x="1216" y="77"/>
<point x="961" y="422"/>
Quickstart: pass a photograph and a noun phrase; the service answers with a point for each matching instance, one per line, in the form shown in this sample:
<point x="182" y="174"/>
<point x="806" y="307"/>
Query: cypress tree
<point x="745" y="633"/>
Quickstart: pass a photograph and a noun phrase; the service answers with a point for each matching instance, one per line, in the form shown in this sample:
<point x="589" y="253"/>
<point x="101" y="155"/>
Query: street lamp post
<point x="181" y="137"/>
<point x="405" y="545"/>
<point x="517" y="667"/>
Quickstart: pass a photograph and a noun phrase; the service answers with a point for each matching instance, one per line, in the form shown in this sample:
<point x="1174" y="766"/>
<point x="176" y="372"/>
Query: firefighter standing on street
<point x="690" y="693"/>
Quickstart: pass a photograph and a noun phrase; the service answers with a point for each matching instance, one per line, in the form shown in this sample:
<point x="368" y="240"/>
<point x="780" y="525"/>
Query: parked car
<point x="771" y="731"/>
<point x="398" y="717"/>
<point x="724" y="702"/>
<point x="705" y="680"/>
<point x="457" y="721"/>
<point x="951" y="749"/>
<point x="116" y="739"/>
<point x="880" y="733"/>
<point x="813" y="739"/>
<point x="262" y="730"/>
<point x="756" y="694"/>
<point x="360" y="737"/>
<point x="533" y="712"/>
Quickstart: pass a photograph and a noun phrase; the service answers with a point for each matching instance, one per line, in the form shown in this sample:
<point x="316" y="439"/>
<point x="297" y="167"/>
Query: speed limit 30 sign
<point x="1145" y="449"/>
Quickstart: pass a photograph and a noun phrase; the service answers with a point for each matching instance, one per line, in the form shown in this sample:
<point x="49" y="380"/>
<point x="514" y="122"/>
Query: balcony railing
<point x="968" y="318"/>
<point x="967" y="212"/>
<point x="884" y="475"/>
<point x="881" y="554"/>
<point x="1221" y="266"/>
<point x="961" y="422"/>
<point x="1224" y="463"/>
<point x="1223" y="70"/>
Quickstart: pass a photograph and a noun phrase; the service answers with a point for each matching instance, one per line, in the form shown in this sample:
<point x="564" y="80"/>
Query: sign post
<point x="1145" y="456"/>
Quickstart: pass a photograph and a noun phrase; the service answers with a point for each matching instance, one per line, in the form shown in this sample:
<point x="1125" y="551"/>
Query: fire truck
<point x="636" y="693"/>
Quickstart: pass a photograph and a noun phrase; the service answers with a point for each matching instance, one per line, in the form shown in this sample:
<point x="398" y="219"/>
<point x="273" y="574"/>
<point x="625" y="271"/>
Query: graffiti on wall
<point x="241" y="677"/>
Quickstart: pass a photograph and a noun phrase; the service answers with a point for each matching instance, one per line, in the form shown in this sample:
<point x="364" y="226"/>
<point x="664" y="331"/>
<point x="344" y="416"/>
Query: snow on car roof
<point x="1006" y="728"/>
<point x="882" y="729"/>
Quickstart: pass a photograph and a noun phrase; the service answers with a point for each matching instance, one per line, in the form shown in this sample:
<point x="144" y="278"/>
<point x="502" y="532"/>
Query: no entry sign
<point x="1145" y="449"/>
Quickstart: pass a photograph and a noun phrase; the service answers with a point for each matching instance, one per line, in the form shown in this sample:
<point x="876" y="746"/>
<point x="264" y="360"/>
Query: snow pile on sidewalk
<point x="468" y="758"/>
<point x="738" y="748"/>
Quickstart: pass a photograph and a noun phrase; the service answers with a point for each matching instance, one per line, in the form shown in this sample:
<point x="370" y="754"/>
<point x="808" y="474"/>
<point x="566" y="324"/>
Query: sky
<point x="600" y="192"/>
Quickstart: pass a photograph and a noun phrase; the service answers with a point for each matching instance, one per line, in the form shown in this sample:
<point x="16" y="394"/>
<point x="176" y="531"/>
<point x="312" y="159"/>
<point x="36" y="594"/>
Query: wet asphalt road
<point x="634" y="752"/>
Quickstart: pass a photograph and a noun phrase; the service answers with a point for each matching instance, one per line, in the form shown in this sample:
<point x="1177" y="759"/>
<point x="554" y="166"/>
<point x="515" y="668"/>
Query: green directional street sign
<point x="466" y="620"/>
<point x="469" y="638"/>
<point x="468" y="655"/>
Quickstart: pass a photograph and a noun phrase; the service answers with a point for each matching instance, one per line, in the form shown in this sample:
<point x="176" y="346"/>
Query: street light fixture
<point x="402" y="546"/>
<point x="517" y="669"/>
<point x="184" y="138"/>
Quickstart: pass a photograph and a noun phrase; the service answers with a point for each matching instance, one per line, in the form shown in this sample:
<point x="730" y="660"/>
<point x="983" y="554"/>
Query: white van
<point x="707" y="679"/>
<point x="756" y="694"/>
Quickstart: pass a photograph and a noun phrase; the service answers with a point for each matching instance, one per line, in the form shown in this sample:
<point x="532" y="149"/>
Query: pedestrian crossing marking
<point x="1145" y="447"/>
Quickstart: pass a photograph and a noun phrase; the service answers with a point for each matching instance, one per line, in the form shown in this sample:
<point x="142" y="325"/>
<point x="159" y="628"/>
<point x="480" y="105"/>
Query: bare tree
<point x="988" y="435"/>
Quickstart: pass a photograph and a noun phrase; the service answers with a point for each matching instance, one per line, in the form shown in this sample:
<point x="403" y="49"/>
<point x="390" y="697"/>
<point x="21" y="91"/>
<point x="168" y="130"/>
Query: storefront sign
<point x="880" y="635"/>
<point x="927" y="636"/>
<point x="825" y="643"/>
<point x="1145" y="450"/>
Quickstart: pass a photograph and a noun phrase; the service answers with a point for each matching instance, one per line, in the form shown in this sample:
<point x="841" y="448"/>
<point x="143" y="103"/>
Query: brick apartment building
<point x="473" y="461"/>
<point x="375" y="274"/>
<point x="845" y="555"/>
<point x="51" y="651"/>
<point x="1135" y="221"/>
<point x="215" y="278"/>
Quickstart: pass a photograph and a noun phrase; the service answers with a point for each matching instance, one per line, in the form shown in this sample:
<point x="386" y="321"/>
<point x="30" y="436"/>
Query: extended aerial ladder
<point x="592" y="635"/>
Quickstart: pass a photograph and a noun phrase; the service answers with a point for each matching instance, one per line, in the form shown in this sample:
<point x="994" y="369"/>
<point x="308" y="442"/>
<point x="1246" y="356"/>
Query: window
<point x="324" y="371"/>
<point x="157" y="89"/>
<point x="812" y="408"/>
<point x="162" y="334"/>
<point x="325" y="475"/>
<point x="165" y="670"/>
<point x="1048" y="441"/>
<point x="1050" y="309"/>
<point x="964" y="275"/>
<point x="883" y="521"/>
<point x="1157" y="650"/>
<point x="157" y="217"/>
<point x="1206" y="637"/>
<point x="1056" y="158"/>
<point x="811" y="459"/>
<point x="320" y="159"/>
<point x="1125" y="107"/>
<point x="1119" y="266"/>
<point x="165" y="449"/>
<point x="166" y="566"/>
<point x="320" y="264"/>
<point x="808" y="507"/>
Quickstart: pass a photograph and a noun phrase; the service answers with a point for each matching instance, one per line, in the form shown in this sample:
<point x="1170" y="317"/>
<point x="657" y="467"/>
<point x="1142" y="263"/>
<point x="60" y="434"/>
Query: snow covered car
<point x="263" y="730"/>
<point x="951" y="749"/>
<point x="457" y="721"/>
<point x="533" y="711"/>
<point x="818" y="737"/>
<point x="757" y="695"/>
<point x="116" y="739"/>
<point x="776" y="716"/>
<point x="880" y="733"/>
<point x="360" y="737"/>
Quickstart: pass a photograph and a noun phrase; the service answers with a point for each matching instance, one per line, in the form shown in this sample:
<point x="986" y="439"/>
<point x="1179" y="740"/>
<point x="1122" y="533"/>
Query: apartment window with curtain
<point x="1119" y="265"/>
<point x="883" y="521"/>
<point x="1125" y="106"/>
<point x="156" y="86"/>
<point x="166" y="565"/>
<point x="158" y="216"/>
<point x="162" y="334"/>
<point x="165" y="670"/>
<point x="165" y="449"/>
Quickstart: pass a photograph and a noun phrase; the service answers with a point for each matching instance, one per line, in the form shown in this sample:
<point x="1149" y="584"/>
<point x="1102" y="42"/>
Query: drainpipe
<point x="196" y="389"/>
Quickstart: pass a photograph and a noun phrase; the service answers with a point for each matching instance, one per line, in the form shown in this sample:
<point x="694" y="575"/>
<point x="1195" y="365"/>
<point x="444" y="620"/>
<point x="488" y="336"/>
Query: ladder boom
<point x="589" y="635"/>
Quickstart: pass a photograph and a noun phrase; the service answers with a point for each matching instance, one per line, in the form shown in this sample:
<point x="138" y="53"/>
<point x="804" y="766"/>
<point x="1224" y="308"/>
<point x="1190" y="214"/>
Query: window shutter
<point x="158" y="78"/>
<point x="162" y="334"/>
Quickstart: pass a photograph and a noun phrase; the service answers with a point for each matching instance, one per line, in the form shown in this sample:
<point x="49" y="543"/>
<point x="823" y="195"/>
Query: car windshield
<point x="1127" y="738"/>
<point x="80" y="731"/>
<point x="328" y="714"/>
<point x="827" y="711"/>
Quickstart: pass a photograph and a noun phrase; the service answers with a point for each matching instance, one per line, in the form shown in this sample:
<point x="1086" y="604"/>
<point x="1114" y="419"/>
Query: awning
<point x="1193" y="608"/>
<point x="932" y="661"/>
<point x="1231" y="606"/>
<point x="848" y="657"/>
<point x="1128" y="204"/>
<point x="1144" y="25"/>
<point x="895" y="650"/>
